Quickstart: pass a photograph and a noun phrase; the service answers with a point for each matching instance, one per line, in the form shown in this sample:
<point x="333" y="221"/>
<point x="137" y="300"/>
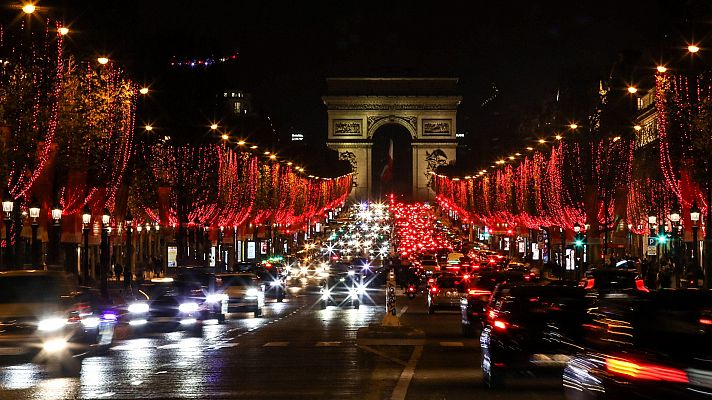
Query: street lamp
<point x="208" y="243"/>
<point x="695" y="217"/>
<point x="7" y="206"/>
<point x="630" y="239"/>
<point x="128" y="219"/>
<point x="103" y="276"/>
<point x="54" y="248"/>
<point x="652" y="221"/>
<point x="86" y="220"/>
<point x="578" y="242"/>
<point x="218" y="258"/>
<point x="29" y="8"/>
<point x="34" y="214"/>
<point x="676" y="247"/>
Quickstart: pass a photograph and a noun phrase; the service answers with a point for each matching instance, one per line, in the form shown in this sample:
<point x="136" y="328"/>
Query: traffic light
<point x="662" y="238"/>
<point x="579" y="242"/>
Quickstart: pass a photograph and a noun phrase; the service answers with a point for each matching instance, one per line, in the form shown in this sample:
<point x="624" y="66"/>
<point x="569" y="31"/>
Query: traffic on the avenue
<point x="353" y="200"/>
<point x="469" y="322"/>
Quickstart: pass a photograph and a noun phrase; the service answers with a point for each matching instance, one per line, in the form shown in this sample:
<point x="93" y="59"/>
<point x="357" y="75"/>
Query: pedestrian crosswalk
<point x="215" y="345"/>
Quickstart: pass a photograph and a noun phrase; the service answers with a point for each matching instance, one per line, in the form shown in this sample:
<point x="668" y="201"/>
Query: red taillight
<point x="477" y="292"/>
<point x="466" y="276"/>
<point x="499" y="324"/>
<point x="411" y="288"/>
<point x="645" y="371"/>
<point x="491" y="314"/>
<point x="640" y="285"/>
<point x="434" y="290"/>
<point x="431" y="280"/>
<point x="705" y="321"/>
<point x="587" y="284"/>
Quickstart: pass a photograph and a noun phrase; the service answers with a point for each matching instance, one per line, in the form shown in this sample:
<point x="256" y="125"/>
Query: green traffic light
<point x="579" y="242"/>
<point x="662" y="239"/>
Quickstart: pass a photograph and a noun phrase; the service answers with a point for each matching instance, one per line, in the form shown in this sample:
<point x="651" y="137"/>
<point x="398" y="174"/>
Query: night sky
<point x="528" y="50"/>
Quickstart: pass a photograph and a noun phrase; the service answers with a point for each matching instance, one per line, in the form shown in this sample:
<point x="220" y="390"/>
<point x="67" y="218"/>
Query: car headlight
<point x="188" y="307"/>
<point x="361" y="289"/>
<point x="51" y="324"/>
<point x="351" y="272"/>
<point x="90" y="322"/>
<point x="138" y="308"/>
<point x="252" y="292"/>
<point x="215" y="298"/>
<point x="325" y="294"/>
<point x="275" y="283"/>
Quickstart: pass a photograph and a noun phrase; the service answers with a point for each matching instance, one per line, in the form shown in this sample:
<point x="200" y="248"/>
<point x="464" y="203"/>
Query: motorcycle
<point x="411" y="290"/>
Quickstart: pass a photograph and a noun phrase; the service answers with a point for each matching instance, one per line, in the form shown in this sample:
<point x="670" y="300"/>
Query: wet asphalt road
<point x="295" y="351"/>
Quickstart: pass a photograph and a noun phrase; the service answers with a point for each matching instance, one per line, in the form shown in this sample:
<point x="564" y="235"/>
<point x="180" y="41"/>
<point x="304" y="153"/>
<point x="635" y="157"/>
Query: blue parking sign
<point x="652" y="241"/>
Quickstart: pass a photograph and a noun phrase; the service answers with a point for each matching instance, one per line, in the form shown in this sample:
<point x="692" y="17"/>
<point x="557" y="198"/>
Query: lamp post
<point x="54" y="248"/>
<point x="34" y="214"/>
<point x="207" y="243"/>
<point x="104" y="266"/>
<point x="128" y="274"/>
<point x="676" y="247"/>
<point x="695" y="218"/>
<point x="86" y="220"/>
<point x="197" y="239"/>
<point x="577" y="243"/>
<point x="139" y="246"/>
<point x="630" y="239"/>
<point x="652" y="223"/>
<point x="218" y="261"/>
<point x="7" y="207"/>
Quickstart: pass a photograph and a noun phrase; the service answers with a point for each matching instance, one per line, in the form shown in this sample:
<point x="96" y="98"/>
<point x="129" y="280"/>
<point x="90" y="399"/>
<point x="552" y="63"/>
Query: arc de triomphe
<point x="360" y="109"/>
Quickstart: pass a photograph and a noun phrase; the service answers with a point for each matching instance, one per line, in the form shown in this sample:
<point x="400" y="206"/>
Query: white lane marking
<point x="401" y="389"/>
<point x="452" y="344"/>
<point x="224" y="345"/>
<point x="170" y="346"/>
<point x="328" y="344"/>
<point x="402" y="311"/>
<point x="276" y="344"/>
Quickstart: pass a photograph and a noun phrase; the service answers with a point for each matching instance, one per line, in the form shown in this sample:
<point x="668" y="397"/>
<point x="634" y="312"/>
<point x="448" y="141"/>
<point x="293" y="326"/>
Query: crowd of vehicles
<point x="606" y="336"/>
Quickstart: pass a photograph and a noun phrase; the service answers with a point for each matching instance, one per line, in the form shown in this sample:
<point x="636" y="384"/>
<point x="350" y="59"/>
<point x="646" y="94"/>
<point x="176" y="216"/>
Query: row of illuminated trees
<point x="72" y="169"/>
<point x="602" y="182"/>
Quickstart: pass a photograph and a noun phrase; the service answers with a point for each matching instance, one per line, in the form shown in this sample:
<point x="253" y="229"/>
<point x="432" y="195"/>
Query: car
<point x="273" y="279"/>
<point x="533" y="331"/>
<point x="653" y="346"/>
<point x="244" y="292"/>
<point x="429" y="266"/>
<point x="215" y="300"/>
<point x="474" y="304"/>
<point x="342" y="289"/>
<point x="445" y="292"/>
<point x="613" y="281"/>
<point x="45" y="317"/>
<point x="167" y="305"/>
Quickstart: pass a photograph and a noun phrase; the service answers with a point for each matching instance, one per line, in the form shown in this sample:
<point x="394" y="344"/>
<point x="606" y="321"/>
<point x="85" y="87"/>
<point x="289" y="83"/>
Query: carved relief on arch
<point x="374" y="122"/>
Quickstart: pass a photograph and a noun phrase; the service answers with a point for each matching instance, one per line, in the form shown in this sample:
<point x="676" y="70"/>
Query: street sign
<point x="652" y="241"/>
<point x="540" y="239"/>
<point x="652" y="250"/>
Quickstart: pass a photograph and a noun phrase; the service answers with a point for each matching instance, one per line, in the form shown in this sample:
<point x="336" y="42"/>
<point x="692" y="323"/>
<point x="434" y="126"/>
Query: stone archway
<point x="394" y="177"/>
<point x="423" y="109"/>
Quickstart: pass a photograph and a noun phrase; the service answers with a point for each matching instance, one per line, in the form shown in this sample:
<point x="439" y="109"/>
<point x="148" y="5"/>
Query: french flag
<point x="387" y="172"/>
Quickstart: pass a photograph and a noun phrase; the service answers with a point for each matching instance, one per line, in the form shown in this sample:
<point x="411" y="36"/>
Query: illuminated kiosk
<point x="417" y="115"/>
